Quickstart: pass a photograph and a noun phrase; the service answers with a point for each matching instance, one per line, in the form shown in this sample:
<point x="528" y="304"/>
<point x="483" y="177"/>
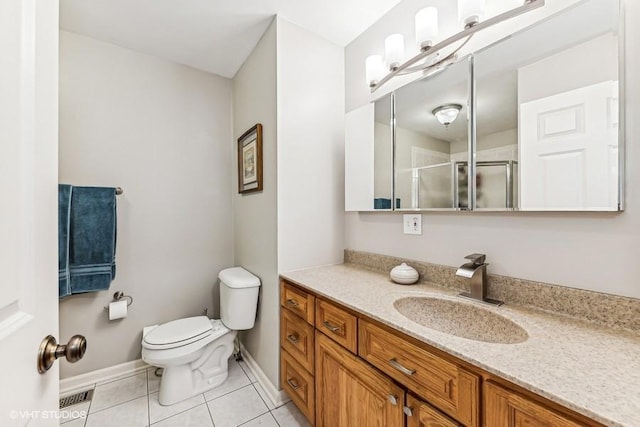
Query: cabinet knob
<point x="408" y="411"/>
<point x="393" y="399"/>
<point x="292" y="303"/>
<point x="293" y="338"/>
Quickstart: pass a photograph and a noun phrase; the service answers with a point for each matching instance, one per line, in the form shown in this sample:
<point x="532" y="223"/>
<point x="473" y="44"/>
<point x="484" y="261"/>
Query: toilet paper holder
<point x="118" y="296"/>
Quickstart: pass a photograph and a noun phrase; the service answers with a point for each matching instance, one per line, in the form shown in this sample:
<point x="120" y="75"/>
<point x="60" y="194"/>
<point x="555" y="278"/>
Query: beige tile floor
<point x="132" y="401"/>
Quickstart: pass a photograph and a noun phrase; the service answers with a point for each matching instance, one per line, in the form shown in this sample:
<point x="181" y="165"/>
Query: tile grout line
<point x="258" y="416"/>
<point x="148" y="400"/>
<point x="181" y="412"/>
<point x="86" y="419"/>
<point x="261" y="398"/>
<point x="255" y="380"/>
<point x="210" y="414"/>
<point x="225" y="394"/>
<point x="118" y="404"/>
<point x="274" y="417"/>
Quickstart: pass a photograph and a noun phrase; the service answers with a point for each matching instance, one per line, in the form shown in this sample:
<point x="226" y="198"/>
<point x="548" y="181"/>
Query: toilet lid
<point x="179" y="332"/>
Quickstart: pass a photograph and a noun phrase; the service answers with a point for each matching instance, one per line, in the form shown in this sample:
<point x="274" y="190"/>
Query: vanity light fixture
<point x="446" y="114"/>
<point x="432" y="54"/>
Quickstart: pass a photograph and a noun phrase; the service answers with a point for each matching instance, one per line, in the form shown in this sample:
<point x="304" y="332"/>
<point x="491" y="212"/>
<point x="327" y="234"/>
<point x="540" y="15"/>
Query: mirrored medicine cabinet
<point x="529" y="123"/>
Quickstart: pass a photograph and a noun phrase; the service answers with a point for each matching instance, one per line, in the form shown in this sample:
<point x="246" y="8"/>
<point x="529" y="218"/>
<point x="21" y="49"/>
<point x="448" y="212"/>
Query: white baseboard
<point x="277" y="397"/>
<point x="90" y="379"/>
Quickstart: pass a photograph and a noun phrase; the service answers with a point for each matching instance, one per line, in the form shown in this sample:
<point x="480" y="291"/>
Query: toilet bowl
<point x="194" y="351"/>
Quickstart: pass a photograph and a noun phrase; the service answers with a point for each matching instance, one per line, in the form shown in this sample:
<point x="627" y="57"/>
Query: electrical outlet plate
<point x="412" y="223"/>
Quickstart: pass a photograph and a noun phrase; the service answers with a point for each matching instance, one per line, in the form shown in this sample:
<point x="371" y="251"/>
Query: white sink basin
<point x="461" y="319"/>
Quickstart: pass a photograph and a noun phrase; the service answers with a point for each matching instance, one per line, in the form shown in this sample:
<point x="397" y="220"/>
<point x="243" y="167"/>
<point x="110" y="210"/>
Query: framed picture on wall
<point x="250" y="160"/>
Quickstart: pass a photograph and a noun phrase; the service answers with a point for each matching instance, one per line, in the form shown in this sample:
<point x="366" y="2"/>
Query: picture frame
<point x="250" y="160"/>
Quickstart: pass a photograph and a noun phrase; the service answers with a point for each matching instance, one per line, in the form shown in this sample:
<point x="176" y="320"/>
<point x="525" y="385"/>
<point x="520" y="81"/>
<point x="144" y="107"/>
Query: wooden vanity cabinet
<point x="343" y="369"/>
<point x="349" y="392"/>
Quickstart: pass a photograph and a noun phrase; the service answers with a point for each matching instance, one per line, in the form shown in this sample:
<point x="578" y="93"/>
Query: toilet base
<point x="209" y="370"/>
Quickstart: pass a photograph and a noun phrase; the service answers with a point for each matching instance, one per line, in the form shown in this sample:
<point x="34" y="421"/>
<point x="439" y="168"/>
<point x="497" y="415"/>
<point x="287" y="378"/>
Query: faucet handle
<point x="477" y="259"/>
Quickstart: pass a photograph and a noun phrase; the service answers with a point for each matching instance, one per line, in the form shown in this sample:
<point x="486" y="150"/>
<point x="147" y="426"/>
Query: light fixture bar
<point x="528" y="6"/>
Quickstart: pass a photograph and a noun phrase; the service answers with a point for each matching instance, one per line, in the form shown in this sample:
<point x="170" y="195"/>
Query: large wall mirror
<point x="547" y="114"/>
<point x="431" y="141"/>
<point x="545" y="133"/>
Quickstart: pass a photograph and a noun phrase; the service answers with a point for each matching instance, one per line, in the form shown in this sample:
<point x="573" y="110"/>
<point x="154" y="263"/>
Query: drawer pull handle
<point x="293" y="338"/>
<point x="332" y="328"/>
<point x="292" y="303"/>
<point x="393" y="362"/>
<point x="293" y="383"/>
<point x="393" y="399"/>
<point x="408" y="411"/>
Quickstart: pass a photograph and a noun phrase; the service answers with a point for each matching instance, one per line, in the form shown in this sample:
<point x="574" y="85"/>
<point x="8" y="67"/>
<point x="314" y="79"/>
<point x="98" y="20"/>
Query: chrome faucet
<point x="476" y="273"/>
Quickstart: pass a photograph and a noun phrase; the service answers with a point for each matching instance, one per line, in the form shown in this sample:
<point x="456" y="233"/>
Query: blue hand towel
<point x="92" y="239"/>
<point x="64" y="216"/>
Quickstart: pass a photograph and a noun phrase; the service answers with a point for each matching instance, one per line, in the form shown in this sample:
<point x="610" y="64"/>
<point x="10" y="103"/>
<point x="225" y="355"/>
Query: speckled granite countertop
<point x="585" y="367"/>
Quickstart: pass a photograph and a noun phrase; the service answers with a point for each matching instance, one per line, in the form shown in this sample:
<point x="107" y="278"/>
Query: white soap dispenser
<point x="404" y="274"/>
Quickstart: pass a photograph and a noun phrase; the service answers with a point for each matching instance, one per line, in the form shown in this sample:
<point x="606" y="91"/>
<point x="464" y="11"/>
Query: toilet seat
<point x="183" y="332"/>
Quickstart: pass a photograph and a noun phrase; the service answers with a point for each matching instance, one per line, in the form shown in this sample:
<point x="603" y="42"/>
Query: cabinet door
<point x="504" y="408"/>
<point x="421" y="414"/>
<point x="350" y="393"/>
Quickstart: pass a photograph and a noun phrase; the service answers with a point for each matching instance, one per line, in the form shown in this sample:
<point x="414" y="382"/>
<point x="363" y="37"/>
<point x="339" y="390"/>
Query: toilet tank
<point x="238" y="298"/>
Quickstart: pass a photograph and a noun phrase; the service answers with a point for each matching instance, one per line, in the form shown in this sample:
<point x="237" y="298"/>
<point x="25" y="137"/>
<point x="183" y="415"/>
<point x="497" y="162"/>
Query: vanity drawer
<point x="296" y="336"/>
<point x="442" y="383"/>
<point x="337" y="324"/>
<point x="298" y="301"/>
<point x="299" y="385"/>
<point x="421" y="414"/>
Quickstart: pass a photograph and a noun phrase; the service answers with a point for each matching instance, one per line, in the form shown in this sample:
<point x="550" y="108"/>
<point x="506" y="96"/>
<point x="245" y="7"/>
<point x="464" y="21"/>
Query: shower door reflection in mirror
<point x="547" y="109"/>
<point x="432" y="141"/>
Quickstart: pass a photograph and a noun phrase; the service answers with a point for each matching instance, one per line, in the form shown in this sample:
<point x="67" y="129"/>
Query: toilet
<point x="194" y="351"/>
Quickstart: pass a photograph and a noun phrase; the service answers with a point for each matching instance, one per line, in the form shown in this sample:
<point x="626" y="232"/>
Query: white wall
<point x="310" y="149"/>
<point x="161" y="131"/>
<point x="255" y="214"/>
<point x="293" y="84"/>
<point x="583" y="250"/>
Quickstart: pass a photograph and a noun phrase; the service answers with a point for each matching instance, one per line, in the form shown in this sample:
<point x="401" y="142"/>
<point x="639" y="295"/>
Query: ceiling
<point x="213" y="35"/>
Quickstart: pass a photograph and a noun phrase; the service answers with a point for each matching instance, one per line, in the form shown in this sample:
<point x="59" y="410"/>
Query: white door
<point x="28" y="217"/>
<point x="569" y="150"/>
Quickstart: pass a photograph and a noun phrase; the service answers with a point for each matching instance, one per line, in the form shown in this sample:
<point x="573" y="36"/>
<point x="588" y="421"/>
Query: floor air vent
<point x="76" y="398"/>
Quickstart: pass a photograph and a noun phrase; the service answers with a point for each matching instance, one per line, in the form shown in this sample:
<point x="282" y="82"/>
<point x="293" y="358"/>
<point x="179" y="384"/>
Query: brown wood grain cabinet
<point x="421" y="414"/>
<point x="449" y="387"/>
<point x="299" y="384"/>
<point x="343" y="369"/>
<point x="297" y="338"/>
<point x="298" y="301"/>
<point x="349" y="392"/>
<point x="506" y="408"/>
<point x="338" y="324"/>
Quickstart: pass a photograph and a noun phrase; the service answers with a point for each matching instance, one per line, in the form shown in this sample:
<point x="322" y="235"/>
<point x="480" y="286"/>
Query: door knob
<point x="50" y="350"/>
